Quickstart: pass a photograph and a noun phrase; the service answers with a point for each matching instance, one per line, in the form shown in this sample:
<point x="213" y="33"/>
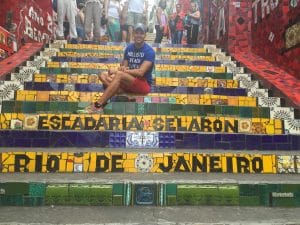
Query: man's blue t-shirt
<point x="136" y="56"/>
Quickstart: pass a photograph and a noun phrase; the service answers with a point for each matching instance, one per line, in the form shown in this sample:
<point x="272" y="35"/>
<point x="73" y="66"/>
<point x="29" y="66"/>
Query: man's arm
<point x="140" y="72"/>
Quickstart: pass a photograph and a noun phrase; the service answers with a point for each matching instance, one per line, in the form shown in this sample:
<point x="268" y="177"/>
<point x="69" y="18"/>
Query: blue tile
<point x="280" y="138"/>
<point x="284" y="147"/>
<point x="222" y="145"/>
<point x="218" y="137"/>
<point x="238" y="145"/>
<point x="22" y="142"/>
<point x="40" y="143"/>
<point x="271" y="147"/>
<point x="206" y="141"/>
<point x="267" y="139"/>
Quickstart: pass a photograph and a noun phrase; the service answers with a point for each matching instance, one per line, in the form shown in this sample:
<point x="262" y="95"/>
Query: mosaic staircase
<point x="205" y="114"/>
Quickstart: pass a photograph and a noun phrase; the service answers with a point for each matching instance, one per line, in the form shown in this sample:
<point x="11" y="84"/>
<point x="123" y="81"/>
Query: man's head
<point x="178" y="8"/>
<point x="139" y="34"/>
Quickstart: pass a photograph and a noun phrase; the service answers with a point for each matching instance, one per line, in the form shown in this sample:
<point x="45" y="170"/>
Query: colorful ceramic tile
<point x="245" y="125"/>
<point x="283" y="113"/>
<point x="16" y="124"/>
<point x="78" y="167"/>
<point x="144" y="163"/>
<point x="292" y="126"/>
<point x="25" y="74"/>
<point x="286" y="164"/>
<point x="269" y="102"/>
<point x="69" y="87"/>
<point x="37" y="63"/>
<point x="142" y="140"/>
<point x="8" y="88"/>
<point x="49" y="52"/>
<point x="31" y="122"/>
<point x="263" y="93"/>
<point x="242" y="76"/>
<point x="244" y="83"/>
<point x="258" y="128"/>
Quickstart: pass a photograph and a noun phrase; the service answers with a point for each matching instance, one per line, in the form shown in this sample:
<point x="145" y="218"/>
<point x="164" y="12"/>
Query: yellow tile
<point x="269" y="163"/>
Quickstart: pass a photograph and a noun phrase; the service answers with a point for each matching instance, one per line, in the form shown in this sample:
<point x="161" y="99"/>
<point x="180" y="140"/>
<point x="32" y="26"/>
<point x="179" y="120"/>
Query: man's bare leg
<point x="113" y="88"/>
<point x="130" y="30"/>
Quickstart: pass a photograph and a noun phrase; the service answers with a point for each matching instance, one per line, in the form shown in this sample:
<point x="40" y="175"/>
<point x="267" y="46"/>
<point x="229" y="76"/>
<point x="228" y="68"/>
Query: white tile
<point x="142" y="140"/>
<point x="269" y="102"/>
<point x="31" y="122"/>
<point x="144" y="163"/>
<point x="284" y="113"/>
<point x="258" y="93"/>
<point x="8" y="88"/>
<point x="292" y="126"/>
<point x="244" y="83"/>
<point x="242" y="76"/>
<point x="285" y="164"/>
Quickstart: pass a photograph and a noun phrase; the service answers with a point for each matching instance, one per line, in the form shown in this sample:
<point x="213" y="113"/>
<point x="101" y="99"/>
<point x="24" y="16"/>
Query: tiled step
<point x="133" y="108"/>
<point x="72" y="96"/>
<point x="115" y="60"/>
<point x="41" y="86"/>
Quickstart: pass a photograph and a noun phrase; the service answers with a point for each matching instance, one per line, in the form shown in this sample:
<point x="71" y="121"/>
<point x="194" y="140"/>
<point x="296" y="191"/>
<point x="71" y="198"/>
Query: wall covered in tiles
<point x="215" y="19"/>
<point x="270" y="29"/>
<point x="101" y="162"/>
<point x="276" y="32"/>
<point x="28" y="19"/>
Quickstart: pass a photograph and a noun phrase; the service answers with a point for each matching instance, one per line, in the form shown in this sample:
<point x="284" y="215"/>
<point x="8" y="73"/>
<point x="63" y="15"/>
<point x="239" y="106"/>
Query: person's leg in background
<point x="96" y="15"/>
<point x="179" y="35"/>
<point x="195" y="31"/>
<point x="88" y="20"/>
<point x="130" y="23"/>
<point x="71" y="14"/>
<point x="159" y="34"/>
<point x="61" y="13"/>
<point x="189" y="35"/>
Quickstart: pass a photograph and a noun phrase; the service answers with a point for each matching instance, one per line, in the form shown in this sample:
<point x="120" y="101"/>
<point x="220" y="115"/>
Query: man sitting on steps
<point x="135" y="74"/>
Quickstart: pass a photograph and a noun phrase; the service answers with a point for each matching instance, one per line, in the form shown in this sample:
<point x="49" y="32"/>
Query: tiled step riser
<point x="70" y="96"/>
<point x="147" y="140"/>
<point x="141" y="193"/>
<point x="140" y="122"/>
<point x="147" y="162"/>
<point x="121" y="108"/>
<point x="116" y="60"/>
<point x="41" y="86"/>
<point x="159" y="81"/>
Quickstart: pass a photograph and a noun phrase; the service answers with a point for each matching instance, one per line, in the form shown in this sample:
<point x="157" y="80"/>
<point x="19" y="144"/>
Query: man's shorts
<point x="138" y="86"/>
<point x="134" y="18"/>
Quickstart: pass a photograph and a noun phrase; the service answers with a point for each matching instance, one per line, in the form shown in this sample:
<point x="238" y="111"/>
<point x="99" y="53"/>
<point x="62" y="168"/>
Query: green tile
<point x="163" y="109"/>
<point x="140" y="109"/>
<point x="118" y="189"/>
<point x="7" y="107"/>
<point x="151" y="108"/>
<point x="29" y="107"/>
<point x="118" y="108"/>
<point x="245" y="112"/>
<point x="130" y="108"/>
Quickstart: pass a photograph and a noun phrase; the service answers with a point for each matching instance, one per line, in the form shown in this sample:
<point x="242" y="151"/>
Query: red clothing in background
<point x="185" y="5"/>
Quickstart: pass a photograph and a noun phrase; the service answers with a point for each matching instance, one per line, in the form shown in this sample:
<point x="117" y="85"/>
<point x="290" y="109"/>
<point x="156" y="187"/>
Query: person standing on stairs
<point x="136" y="11"/>
<point x="161" y="25"/>
<point x="66" y="8"/>
<point x="134" y="75"/>
<point x="92" y="19"/>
